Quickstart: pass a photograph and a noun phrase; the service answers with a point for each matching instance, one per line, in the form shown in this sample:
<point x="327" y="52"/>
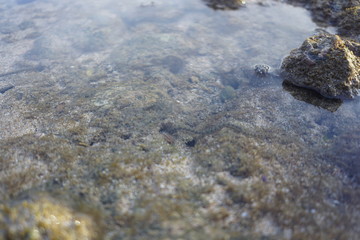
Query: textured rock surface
<point x="327" y="64"/>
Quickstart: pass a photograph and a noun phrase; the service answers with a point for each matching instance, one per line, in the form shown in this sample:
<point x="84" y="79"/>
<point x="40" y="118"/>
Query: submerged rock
<point x="45" y="218"/>
<point x="173" y="63"/>
<point x="261" y="70"/>
<point x="327" y="64"/>
<point x="224" y="4"/>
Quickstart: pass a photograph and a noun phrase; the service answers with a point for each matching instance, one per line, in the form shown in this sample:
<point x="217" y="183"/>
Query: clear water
<point x="85" y="63"/>
<point x="253" y="34"/>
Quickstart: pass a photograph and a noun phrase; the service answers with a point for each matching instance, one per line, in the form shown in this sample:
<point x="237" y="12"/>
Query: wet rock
<point x="39" y="51"/>
<point x="312" y="97"/>
<point x="327" y="64"/>
<point x="261" y="70"/>
<point x="224" y="4"/>
<point x="33" y="35"/>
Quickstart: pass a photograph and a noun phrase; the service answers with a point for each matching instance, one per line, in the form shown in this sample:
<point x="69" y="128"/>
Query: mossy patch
<point x="46" y="218"/>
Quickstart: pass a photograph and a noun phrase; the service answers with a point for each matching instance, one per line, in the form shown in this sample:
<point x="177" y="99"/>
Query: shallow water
<point x="252" y="34"/>
<point x="89" y="85"/>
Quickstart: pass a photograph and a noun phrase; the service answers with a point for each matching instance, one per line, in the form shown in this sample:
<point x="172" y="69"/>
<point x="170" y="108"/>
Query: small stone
<point x="261" y="70"/>
<point x="327" y="64"/>
<point x="194" y="79"/>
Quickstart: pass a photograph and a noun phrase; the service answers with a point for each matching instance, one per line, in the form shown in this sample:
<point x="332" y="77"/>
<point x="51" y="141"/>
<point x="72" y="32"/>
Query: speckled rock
<point x="327" y="64"/>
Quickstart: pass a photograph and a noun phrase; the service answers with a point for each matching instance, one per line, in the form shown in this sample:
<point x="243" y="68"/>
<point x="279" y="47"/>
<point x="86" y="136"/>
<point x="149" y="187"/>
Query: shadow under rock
<point x="312" y="97"/>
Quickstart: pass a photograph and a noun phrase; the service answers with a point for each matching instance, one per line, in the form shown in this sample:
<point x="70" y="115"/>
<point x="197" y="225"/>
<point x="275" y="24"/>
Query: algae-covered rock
<point x="261" y="70"/>
<point x="349" y="21"/>
<point x="327" y="64"/>
<point x="45" y="218"/>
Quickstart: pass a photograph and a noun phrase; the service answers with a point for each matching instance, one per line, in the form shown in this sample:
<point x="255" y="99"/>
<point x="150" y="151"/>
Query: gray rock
<point x="327" y="64"/>
<point x="261" y="70"/>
